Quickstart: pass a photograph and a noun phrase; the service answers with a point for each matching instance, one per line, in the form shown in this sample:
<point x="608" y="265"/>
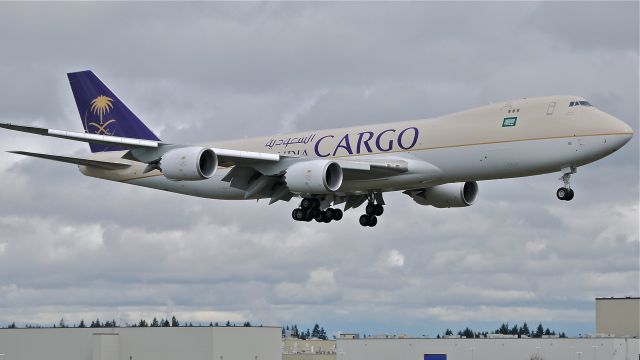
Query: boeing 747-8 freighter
<point x="435" y="161"/>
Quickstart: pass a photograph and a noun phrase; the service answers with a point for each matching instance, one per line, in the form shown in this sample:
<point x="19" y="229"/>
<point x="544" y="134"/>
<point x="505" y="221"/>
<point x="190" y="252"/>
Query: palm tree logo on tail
<point x="100" y="107"/>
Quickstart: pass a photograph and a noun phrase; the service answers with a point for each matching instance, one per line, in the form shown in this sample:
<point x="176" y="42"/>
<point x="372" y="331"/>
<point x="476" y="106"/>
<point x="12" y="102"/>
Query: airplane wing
<point x="258" y="174"/>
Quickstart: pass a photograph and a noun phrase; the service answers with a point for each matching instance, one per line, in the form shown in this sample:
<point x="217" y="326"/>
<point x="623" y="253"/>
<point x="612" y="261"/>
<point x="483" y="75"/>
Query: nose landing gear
<point x="566" y="193"/>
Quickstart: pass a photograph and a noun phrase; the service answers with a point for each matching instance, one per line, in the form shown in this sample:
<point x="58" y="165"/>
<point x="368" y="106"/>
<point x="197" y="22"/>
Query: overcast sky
<point x="78" y="247"/>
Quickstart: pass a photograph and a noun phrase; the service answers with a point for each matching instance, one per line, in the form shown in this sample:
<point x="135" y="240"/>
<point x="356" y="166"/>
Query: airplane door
<point x="551" y="107"/>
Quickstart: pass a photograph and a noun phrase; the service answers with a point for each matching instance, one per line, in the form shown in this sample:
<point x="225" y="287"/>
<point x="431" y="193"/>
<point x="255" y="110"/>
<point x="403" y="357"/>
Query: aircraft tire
<point x="370" y="209"/>
<point x="329" y="213"/>
<point x="373" y="220"/>
<point x="562" y="193"/>
<point x="307" y="203"/>
<point x="364" y="220"/>
<point x="378" y="209"/>
<point x="337" y="214"/>
<point x="570" y="195"/>
<point x="298" y="214"/>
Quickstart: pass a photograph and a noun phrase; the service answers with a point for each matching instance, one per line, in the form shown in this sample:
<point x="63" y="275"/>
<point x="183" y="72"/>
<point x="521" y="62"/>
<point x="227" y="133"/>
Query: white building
<point x="489" y="349"/>
<point x="618" y="316"/>
<point x="142" y="343"/>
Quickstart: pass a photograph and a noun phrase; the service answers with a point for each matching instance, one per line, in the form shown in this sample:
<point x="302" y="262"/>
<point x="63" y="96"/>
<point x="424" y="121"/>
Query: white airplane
<point x="436" y="161"/>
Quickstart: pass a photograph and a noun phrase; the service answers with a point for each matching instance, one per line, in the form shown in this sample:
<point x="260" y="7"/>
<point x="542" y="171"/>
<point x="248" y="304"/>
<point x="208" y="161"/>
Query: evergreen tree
<point x="448" y="332"/>
<point x="438" y="337"/>
<point x="514" y="330"/>
<point x="316" y="331"/>
<point x="468" y="333"/>
<point x="216" y="324"/>
<point x="61" y="323"/>
<point x="524" y="330"/>
<point x="82" y="325"/>
<point x="143" y="323"/>
<point x="246" y="324"/>
<point x="12" y="326"/>
<point x="155" y="323"/>
<point x="539" y="331"/>
<point x="547" y="332"/>
<point x="228" y="323"/>
<point x="323" y="334"/>
<point x="96" y="324"/>
<point x="174" y="321"/>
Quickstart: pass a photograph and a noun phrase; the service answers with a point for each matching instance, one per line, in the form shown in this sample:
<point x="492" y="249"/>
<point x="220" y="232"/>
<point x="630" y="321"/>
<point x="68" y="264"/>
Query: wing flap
<point x="74" y="160"/>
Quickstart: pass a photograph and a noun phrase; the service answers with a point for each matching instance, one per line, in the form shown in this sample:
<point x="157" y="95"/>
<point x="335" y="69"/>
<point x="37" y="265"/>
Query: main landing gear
<point x="310" y="209"/>
<point x="372" y="212"/>
<point x="566" y="193"/>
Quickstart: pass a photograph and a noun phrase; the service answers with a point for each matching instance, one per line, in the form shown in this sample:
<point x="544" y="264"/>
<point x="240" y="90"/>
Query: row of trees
<point x="505" y="329"/>
<point x="173" y="322"/>
<point x="317" y="332"/>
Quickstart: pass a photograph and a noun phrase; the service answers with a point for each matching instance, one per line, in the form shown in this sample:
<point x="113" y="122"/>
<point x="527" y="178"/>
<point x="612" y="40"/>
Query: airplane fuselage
<point x="503" y="140"/>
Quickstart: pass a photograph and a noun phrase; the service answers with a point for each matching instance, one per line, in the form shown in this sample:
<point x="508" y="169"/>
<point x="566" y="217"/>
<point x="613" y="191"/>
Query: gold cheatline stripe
<point x="441" y="147"/>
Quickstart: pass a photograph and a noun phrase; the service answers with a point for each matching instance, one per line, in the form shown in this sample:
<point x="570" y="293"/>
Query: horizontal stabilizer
<point x="78" y="161"/>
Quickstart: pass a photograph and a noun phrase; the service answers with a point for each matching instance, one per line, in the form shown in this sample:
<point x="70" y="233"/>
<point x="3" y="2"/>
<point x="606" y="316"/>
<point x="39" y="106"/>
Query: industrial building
<point x="617" y="322"/>
<point x="311" y="349"/>
<point x="142" y="343"/>
<point x="489" y="349"/>
<point x="618" y="316"/>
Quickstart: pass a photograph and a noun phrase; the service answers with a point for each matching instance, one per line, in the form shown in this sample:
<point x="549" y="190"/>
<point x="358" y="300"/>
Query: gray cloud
<point x="79" y="247"/>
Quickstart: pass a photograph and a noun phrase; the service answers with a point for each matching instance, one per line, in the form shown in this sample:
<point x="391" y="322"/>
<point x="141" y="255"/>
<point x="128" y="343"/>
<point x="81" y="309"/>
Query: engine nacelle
<point x="314" y="177"/>
<point x="189" y="163"/>
<point x="448" y="195"/>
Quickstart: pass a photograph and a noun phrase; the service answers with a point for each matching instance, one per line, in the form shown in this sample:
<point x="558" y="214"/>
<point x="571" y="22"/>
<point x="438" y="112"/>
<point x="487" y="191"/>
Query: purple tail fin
<point x="103" y="113"/>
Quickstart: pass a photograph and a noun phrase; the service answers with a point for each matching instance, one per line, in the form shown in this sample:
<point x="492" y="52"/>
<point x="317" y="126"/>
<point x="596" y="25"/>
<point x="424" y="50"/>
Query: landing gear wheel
<point x="565" y="194"/>
<point x="299" y="215"/>
<point x="378" y="209"/>
<point x="307" y="203"/>
<point x="325" y="218"/>
<point x="370" y="209"/>
<point x="368" y="220"/>
<point x="337" y="214"/>
<point x="315" y="212"/>
<point x="329" y="213"/>
<point x="562" y="193"/>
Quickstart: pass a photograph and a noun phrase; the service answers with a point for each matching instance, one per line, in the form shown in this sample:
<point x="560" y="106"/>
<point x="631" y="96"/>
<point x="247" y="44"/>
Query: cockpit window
<point x="579" y="103"/>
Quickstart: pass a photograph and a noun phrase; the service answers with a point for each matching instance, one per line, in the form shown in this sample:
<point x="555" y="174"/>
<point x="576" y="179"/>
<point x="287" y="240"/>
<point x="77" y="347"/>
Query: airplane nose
<point x="621" y="131"/>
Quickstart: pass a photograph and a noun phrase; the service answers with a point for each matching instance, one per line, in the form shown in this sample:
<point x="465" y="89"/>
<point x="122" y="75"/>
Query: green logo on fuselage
<point x="510" y="121"/>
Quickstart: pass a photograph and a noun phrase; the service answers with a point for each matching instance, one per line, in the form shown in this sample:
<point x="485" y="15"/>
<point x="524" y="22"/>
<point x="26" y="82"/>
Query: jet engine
<point x="314" y="177"/>
<point x="189" y="163"/>
<point x="446" y="195"/>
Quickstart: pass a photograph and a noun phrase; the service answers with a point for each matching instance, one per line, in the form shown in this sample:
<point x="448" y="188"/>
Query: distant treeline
<point x="505" y="329"/>
<point x="111" y="324"/>
<point x="317" y="332"/>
